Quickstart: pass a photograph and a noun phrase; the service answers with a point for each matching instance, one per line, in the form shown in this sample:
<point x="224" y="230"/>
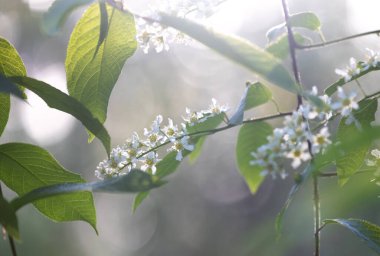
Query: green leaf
<point x="134" y="181"/>
<point x="58" y="12"/>
<point x="61" y="101"/>
<point x="10" y="65"/>
<point x="307" y="20"/>
<point x="280" y="47"/>
<point x="103" y="25"/>
<point x="258" y="94"/>
<point x="8" y="218"/>
<point x="139" y="198"/>
<point x="7" y="87"/>
<point x="5" y="105"/>
<point x="251" y="137"/>
<point x="237" y="49"/>
<point x="365" y="230"/>
<point x="330" y="90"/>
<point x="91" y="80"/>
<point x="209" y="124"/>
<point x="168" y="164"/>
<point x="238" y="117"/>
<point x="300" y="180"/>
<point x="351" y="159"/>
<point x="25" y="167"/>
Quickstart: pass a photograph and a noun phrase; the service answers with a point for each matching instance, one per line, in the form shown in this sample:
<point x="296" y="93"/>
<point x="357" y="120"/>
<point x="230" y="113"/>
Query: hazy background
<point x="206" y="208"/>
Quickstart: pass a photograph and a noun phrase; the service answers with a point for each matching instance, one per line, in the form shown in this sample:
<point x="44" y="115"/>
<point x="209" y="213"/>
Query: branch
<point x="314" y="46"/>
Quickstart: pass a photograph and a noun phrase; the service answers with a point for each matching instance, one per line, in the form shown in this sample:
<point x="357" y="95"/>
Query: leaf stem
<point x="11" y="241"/>
<point x="327" y="43"/>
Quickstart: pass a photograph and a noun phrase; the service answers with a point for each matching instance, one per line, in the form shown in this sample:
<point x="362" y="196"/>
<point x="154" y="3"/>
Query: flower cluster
<point x="374" y="162"/>
<point x="295" y="140"/>
<point x="153" y="34"/>
<point x="372" y="60"/>
<point x="142" y="153"/>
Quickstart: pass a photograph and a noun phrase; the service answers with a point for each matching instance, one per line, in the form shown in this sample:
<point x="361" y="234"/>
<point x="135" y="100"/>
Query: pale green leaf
<point x="103" y="25"/>
<point x="58" y="12"/>
<point x="365" y="230"/>
<point x="91" y="80"/>
<point x="307" y="20"/>
<point x="237" y="49"/>
<point x="10" y="65"/>
<point x="351" y="159"/>
<point x="61" y="101"/>
<point x="251" y="137"/>
<point x="25" y="167"/>
<point x="258" y="94"/>
<point x="280" y="47"/>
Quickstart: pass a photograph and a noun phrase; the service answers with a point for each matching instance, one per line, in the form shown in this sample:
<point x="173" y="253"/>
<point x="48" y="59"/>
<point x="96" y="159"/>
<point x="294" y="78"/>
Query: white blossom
<point x="193" y="117"/>
<point x="372" y="59"/>
<point x="298" y="154"/>
<point x="351" y="71"/>
<point x="321" y="140"/>
<point x="149" y="162"/>
<point x="180" y="145"/>
<point x="346" y="102"/>
<point x="216" y="108"/>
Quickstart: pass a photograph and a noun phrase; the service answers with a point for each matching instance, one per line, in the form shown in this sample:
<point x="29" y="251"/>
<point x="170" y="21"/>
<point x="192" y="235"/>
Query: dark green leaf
<point x="91" y="80"/>
<point x="133" y="182"/>
<point x="238" y="50"/>
<point x="258" y="94"/>
<point x="300" y="180"/>
<point x="139" y="198"/>
<point x="58" y="12"/>
<point x="251" y="137"/>
<point x="7" y="87"/>
<point x="61" y="101"/>
<point x="25" y="167"/>
<point x="280" y="47"/>
<point x="10" y="65"/>
<point x="365" y="230"/>
<point x="306" y="20"/>
<point x="351" y="159"/>
<point x="8" y="218"/>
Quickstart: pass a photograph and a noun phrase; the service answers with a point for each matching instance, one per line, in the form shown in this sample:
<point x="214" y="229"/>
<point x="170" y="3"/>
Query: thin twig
<point x="10" y="239"/>
<point x="314" y="46"/>
<point x="317" y="216"/>
<point x="292" y="50"/>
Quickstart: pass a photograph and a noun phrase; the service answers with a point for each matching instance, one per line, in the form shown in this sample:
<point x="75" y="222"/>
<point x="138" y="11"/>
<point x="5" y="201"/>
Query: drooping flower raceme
<point x="142" y="152"/>
<point x="295" y="141"/>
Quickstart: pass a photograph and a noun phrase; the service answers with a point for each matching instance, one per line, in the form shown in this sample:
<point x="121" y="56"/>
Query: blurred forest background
<point x="206" y="208"/>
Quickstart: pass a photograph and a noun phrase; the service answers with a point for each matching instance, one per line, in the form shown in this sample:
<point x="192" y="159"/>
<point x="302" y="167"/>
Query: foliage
<point x="102" y="41"/>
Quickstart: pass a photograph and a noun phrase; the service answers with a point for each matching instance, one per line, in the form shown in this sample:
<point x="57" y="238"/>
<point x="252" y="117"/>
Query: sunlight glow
<point x="45" y="125"/>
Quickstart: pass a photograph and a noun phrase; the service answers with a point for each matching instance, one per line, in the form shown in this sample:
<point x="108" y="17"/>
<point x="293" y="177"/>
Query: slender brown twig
<point x="10" y="239"/>
<point x="292" y="50"/>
